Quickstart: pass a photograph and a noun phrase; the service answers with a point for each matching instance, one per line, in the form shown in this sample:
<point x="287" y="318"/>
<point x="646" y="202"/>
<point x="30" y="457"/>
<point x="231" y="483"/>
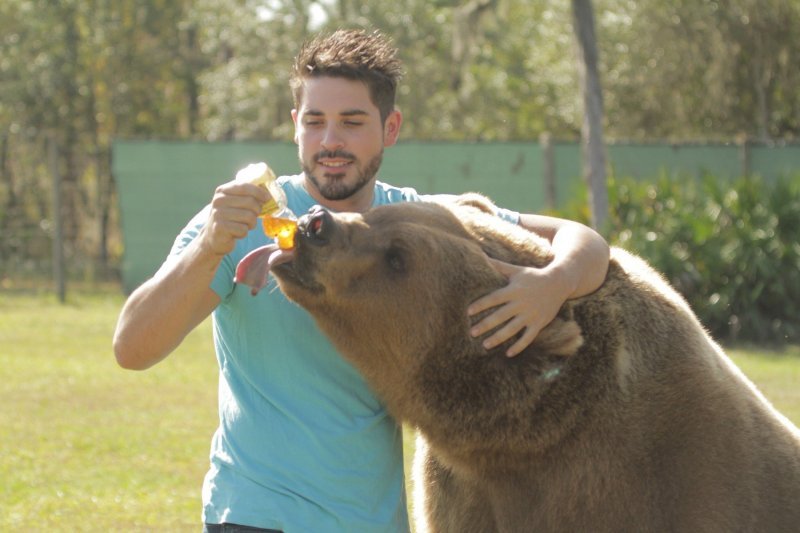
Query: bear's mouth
<point x="253" y="270"/>
<point x="294" y="270"/>
<point x="289" y="267"/>
<point x="292" y="267"/>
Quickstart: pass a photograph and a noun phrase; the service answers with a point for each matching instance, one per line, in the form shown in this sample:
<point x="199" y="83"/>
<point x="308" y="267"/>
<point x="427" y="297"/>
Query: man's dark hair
<point x="355" y="55"/>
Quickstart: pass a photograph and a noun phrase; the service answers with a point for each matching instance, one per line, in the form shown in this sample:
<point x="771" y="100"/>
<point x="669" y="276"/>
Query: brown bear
<point x="623" y="416"/>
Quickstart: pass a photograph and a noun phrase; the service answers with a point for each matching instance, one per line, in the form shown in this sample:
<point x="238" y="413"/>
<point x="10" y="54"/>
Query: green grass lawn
<point x="87" y="446"/>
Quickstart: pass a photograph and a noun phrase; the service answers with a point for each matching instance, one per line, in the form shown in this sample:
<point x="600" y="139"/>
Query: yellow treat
<point x="260" y="174"/>
<point x="276" y="219"/>
<point x="282" y="229"/>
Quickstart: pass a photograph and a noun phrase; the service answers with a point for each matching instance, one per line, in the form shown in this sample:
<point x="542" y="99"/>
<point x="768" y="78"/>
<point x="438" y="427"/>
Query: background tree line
<point x="80" y="73"/>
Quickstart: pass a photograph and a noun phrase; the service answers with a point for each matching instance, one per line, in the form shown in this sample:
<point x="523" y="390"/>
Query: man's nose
<point x="331" y="138"/>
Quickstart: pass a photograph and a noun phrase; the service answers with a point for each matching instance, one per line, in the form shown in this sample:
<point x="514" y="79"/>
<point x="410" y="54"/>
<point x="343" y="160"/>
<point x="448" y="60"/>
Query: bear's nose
<point x="316" y="225"/>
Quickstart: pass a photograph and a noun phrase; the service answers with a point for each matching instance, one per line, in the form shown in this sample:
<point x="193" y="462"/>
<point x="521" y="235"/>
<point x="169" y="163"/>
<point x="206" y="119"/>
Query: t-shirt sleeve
<point x="508" y="215"/>
<point x="222" y="283"/>
<point x="389" y="194"/>
<point x="188" y="233"/>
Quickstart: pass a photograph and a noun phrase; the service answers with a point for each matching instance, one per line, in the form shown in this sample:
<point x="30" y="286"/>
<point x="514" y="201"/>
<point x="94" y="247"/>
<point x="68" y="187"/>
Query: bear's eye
<point x="395" y="259"/>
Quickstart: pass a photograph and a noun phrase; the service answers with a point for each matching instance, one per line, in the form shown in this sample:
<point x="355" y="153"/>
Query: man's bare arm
<point x="161" y="312"/>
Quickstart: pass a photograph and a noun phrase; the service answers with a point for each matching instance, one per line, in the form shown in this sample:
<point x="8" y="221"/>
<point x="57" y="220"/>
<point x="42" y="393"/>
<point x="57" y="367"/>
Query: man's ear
<point x="294" y="120"/>
<point x="391" y="128"/>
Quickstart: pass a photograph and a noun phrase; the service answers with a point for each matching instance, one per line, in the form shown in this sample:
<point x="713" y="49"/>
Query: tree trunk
<point x="8" y="213"/>
<point x="192" y="66"/>
<point x="466" y="18"/>
<point x="761" y="82"/>
<point x="70" y="183"/>
<point x="594" y="159"/>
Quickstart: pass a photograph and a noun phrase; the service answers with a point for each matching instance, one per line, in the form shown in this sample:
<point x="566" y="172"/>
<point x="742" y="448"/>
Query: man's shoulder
<point x="386" y="193"/>
<point x="293" y="181"/>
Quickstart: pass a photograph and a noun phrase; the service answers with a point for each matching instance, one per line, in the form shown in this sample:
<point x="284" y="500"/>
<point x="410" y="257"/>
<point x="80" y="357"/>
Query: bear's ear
<point x="561" y="337"/>
<point x="473" y="199"/>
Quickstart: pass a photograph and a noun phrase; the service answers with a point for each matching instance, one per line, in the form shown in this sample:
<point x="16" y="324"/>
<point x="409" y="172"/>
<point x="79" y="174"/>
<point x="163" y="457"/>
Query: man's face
<point x="340" y="136"/>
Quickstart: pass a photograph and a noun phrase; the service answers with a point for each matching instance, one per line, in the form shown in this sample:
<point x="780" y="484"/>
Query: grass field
<point x="87" y="446"/>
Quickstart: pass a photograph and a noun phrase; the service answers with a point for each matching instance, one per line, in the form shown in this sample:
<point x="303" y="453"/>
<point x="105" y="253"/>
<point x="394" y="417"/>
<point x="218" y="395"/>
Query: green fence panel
<point x="509" y="173"/>
<point x="568" y="170"/>
<point x="771" y="162"/>
<point x="162" y="184"/>
<point x="647" y="160"/>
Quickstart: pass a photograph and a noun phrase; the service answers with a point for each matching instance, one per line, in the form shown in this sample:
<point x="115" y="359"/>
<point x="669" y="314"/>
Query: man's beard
<point x="336" y="188"/>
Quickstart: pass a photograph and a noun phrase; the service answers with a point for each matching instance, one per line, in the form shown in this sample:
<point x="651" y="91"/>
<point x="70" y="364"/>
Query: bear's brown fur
<point x="622" y="416"/>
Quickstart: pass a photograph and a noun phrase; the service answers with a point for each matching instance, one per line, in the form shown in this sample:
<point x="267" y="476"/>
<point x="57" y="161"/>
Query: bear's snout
<point x="316" y="226"/>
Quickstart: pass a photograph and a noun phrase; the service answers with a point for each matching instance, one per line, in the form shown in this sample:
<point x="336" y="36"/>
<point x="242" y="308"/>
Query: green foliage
<point x="732" y="62"/>
<point x="731" y="248"/>
<point x="85" y="73"/>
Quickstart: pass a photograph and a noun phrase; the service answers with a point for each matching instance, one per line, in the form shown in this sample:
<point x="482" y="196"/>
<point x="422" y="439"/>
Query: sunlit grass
<point x="87" y="446"/>
<point x="777" y="375"/>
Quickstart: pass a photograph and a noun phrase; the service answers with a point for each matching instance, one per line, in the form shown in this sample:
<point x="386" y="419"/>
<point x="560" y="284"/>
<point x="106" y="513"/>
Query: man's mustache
<point x="340" y="154"/>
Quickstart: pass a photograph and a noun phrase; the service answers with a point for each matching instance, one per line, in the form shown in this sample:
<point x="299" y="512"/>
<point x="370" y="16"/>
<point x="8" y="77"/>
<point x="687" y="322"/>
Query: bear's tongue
<point x="253" y="269"/>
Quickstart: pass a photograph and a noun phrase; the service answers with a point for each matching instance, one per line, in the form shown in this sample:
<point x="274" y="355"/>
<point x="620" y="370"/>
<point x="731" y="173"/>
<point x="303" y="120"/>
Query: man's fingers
<point x="513" y="327"/>
<point x="499" y="296"/>
<point x="508" y="330"/>
<point x="235" y="207"/>
<point x="237" y="227"/>
<point x="523" y="342"/>
<point x="227" y="225"/>
<point x="509" y="324"/>
<point x="239" y="196"/>
<point x="492" y="320"/>
<point x="493" y="299"/>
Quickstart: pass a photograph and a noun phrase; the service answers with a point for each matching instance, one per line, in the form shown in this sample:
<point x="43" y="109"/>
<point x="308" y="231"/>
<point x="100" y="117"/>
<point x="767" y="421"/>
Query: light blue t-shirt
<point x="302" y="444"/>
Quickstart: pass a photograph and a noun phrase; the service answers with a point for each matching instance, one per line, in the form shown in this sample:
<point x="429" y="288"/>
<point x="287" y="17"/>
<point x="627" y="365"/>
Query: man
<point x="303" y="444"/>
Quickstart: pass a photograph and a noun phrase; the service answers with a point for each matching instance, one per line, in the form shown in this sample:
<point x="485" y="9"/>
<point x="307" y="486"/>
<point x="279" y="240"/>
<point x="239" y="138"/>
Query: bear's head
<point x="416" y="266"/>
<point x="391" y="288"/>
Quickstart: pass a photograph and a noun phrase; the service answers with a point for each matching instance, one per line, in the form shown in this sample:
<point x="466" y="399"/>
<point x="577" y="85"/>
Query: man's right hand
<point x="234" y="212"/>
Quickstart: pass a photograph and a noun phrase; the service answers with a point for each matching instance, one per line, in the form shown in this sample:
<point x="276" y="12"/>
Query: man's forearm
<point x="580" y="254"/>
<point x="161" y="312"/>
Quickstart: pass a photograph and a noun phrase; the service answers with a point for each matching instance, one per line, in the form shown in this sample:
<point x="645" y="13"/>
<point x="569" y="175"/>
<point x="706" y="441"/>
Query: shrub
<point x="732" y="248"/>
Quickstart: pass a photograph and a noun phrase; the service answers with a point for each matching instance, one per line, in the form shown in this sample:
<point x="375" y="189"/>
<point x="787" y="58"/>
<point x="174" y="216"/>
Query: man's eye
<point x="352" y="123"/>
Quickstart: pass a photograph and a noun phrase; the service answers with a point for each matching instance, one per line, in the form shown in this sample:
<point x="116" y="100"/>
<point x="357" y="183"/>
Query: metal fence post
<point x="744" y="154"/>
<point x="58" y="232"/>
<point x="549" y="170"/>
